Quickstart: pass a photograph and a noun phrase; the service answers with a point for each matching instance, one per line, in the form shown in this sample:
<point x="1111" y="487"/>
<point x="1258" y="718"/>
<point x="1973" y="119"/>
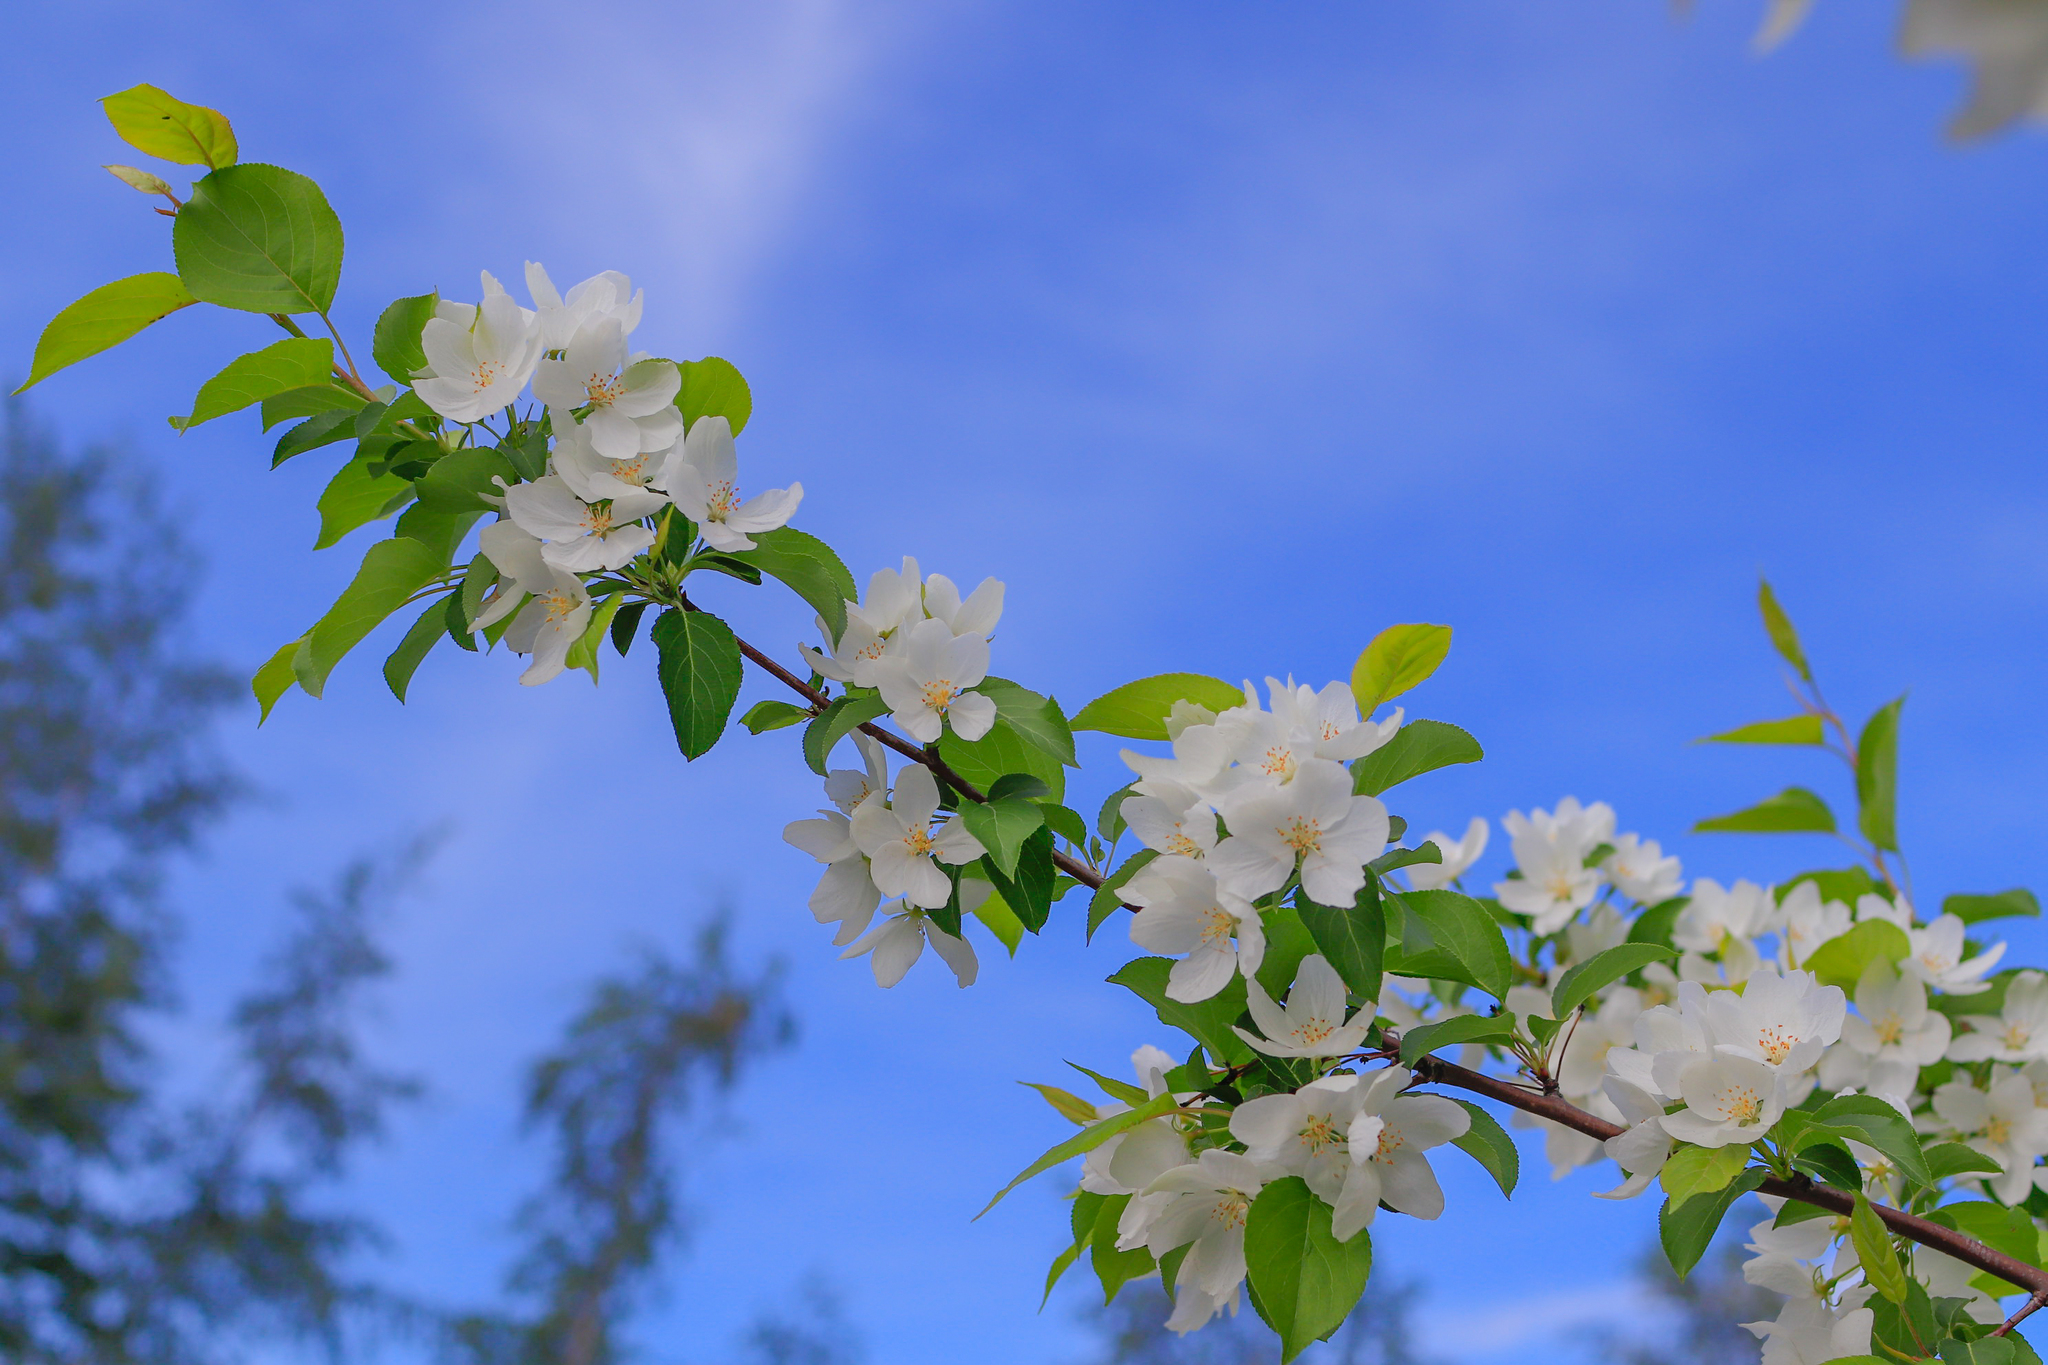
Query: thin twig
<point x="2034" y="1300"/>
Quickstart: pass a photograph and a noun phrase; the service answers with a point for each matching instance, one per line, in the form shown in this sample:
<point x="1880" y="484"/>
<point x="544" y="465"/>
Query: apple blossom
<point x="2003" y="1123"/>
<point x="607" y="296"/>
<point x="479" y="356"/>
<point x="1640" y="871"/>
<point x="1387" y="1140"/>
<point x="898" y="941"/>
<point x="582" y="537"/>
<point x="1314" y="819"/>
<point x="927" y="684"/>
<point x="552" y="620"/>
<point x="1183" y="910"/>
<point x="1312" y="1024"/>
<point x="1935" y="955"/>
<point x="1458" y="856"/>
<point x="627" y="402"/>
<point x="2018" y="1034"/>
<point x="897" y="834"/>
<point x="704" y="483"/>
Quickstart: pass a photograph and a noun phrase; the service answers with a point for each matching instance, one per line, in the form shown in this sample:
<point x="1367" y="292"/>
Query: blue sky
<point x="1226" y="335"/>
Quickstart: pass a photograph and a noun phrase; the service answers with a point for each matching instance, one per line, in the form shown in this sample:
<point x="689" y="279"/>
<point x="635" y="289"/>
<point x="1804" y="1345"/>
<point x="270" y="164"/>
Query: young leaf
<point x="1655" y="925"/>
<point x="700" y="675"/>
<point x="294" y="363"/>
<point x="395" y="344"/>
<point x="626" y="625"/>
<point x="1946" y="1159"/>
<point x="459" y="481"/>
<point x="1122" y="1091"/>
<point x="392" y="571"/>
<point x="1399" y="658"/>
<point x="1352" y="938"/>
<point x="1002" y="826"/>
<point x="1396" y="858"/>
<point x="809" y="568"/>
<point x="996" y="914"/>
<point x="1877" y="776"/>
<point x="1687" y="1229"/>
<point x="259" y="238"/>
<point x="140" y="180"/>
<point x="275" y="678"/>
<point x="713" y="388"/>
<point x="1581" y="981"/>
<point x="1794" y="810"/>
<point x="1791" y="730"/>
<point x="1206" y="1021"/>
<point x="1085" y="1141"/>
<point x="840" y="719"/>
<point x="1976" y="909"/>
<point x="1306" y="1280"/>
<point x="583" y="653"/>
<point x="1701" y="1170"/>
<point x="1779" y="627"/>
<point x="773" y="715"/>
<point x="161" y="126"/>
<point x="106" y="317"/>
<point x="1423" y="1039"/>
<point x="325" y="399"/>
<point x="1001" y="751"/>
<point x="1138" y="710"/>
<point x="426" y="632"/>
<point x="1875" y="1123"/>
<point x="1036" y="719"/>
<point x="1451" y="936"/>
<point x="1109" y="820"/>
<point x="1875" y="1252"/>
<point x="1841" y="960"/>
<point x="1029" y="891"/>
<point x="356" y="497"/>
<point x="1065" y="822"/>
<point x="1418" y="747"/>
<point x="1070" y="1105"/>
<point x="1487" y="1143"/>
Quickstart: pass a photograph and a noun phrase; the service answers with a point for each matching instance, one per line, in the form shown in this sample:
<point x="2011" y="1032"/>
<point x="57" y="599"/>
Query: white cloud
<point x="1523" y="1323"/>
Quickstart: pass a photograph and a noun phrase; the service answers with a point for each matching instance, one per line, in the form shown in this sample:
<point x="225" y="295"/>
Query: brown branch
<point x="1945" y="1240"/>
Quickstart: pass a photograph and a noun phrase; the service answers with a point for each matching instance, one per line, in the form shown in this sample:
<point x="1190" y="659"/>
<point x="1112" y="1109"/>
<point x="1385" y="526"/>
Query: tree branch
<point x="1945" y="1240"/>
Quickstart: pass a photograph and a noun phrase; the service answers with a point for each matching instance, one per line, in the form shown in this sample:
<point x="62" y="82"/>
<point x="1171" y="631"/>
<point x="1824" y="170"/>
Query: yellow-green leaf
<point x="1088" y="1139"/>
<point x="275" y="678"/>
<point x="1875" y="1252"/>
<point x="1070" y="1105"/>
<point x="1841" y="960"/>
<point x="138" y="179"/>
<point x="1794" y="810"/>
<point x="294" y="363"/>
<point x="108" y="316"/>
<point x="1701" y="1170"/>
<point x="356" y="497"/>
<point x="392" y="571"/>
<point x="1791" y="730"/>
<point x="1138" y="710"/>
<point x="1779" y="626"/>
<point x="164" y="126"/>
<point x="1398" y="658"/>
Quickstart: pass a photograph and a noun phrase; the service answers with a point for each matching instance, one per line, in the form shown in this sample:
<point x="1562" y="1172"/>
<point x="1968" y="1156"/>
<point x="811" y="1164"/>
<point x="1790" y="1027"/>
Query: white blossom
<point x="1936" y="957"/>
<point x="1458" y="856"/>
<point x="479" y="356"/>
<point x="1640" y="871"/>
<point x="1183" y="911"/>
<point x="1804" y="922"/>
<point x="1387" y="1138"/>
<point x="927" y="683"/>
<point x="607" y="296"/>
<point x="2003" y="1123"/>
<point x="1312" y="1024"/>
<point x="1207" y="1203"/>
<point x="627" y="402"/>
<point x="582" y="537"/>
<point x="898" y="941"/>
<point x="2018" y="1034"/>
<point x="1717" y="915"/>
<point x="552" y="620"/>
<point x="1133" y="1159"/>
<point x="1314" y="820"/>
<point x="1894" y="1028"/>
<point x="704" y="481"/>
<point x="897" y="834"/>
<point x="1178" y="823"/>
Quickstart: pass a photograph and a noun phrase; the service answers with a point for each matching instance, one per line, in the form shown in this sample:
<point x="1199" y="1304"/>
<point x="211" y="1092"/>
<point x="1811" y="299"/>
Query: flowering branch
<point x="1799" y="1187"/>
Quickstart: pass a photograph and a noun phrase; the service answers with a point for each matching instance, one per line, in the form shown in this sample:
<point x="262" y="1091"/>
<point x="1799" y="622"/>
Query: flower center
<point x="1890" y="1028"/>
<point x="1277" y="761"/>
<point x="1302" y="834"/>
<point x="2017" y="1036"/>
<point x="1998" y="1130"/>
<point x="1217" y="926"/>
<point x="1330" y="730"/>
<point x="1313" y="1031"/>
<point x="1184" y="846"/>
<point x="1320" y="1135"/>
<point x="1775" y="1043"/>
<point x="1232" y="1209"/>
<point x="1742" y="1105"/>
<point x="939" y="693"/>
<point x="484" y="374"/>
<point x="1390" y="1143"/>
<point x="919" y="840"/>
<point x="605" y="389"/>
<point x="721" y="499"/>
<point x="558" y="604"/>
<point x="597" y="520"/>
<point x="1560" y="886"/>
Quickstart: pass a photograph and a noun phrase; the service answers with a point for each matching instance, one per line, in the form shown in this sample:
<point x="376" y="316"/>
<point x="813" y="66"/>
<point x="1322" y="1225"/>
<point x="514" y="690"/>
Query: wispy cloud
<point x="1522" y="1324"/>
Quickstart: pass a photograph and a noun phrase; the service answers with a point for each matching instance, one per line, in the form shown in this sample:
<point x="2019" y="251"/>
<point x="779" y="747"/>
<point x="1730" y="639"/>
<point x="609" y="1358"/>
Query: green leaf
<point x="1106" y="901"/>
<point x="1398" y="658"/>
<point x="1002" y="826"/>
<point x="1109" y="820"/>
<point x="1875" y="1123"/>
<point x="1208" y="1022"/>
<point x="1035" y="718"/>
<point x="1839" y="884"/>
<point x="772" y="715"/>
<point x="1877" y="776"/>
<point x="1976" y="909"/>
<point x="1022" y="785"/>
<point x="162" y="126"/>
<point x="1875" y="1252"/>
<point x="1115" y="1268"/>
<point x="1794" y="810"/>
<point x="809" y="568"/>
<point x="1981" y="1351"/>
<point x="1450" y="936"/>
<point x="1701" y="1170"/>
<point x="1029" y="893"/>
<point x="106" y="317"/>
<point x="1069" y="1105"/>
<point x="395" y="345"/>
<point x="1138" y="710"/>
<point x="1418" y="747"/>
<point x="1655" y="924"/>
<point x="1687" y="1229"/>
<point x="583" y="653"/>
<point x="1487" y="1143"/>
<point x="1779" y="627"/>
<point x="1066" y="822"/>
<point x="1306" y="1280"/>
<point x="356" y="497"/>
<point x="1002" y="750"/>
<point x="1395" y="859"/>
<point x="259" y="238"/>
<point x="1791" y="730"/>
<point x="275" y="678"/>
<point x="626" y="625"/>
<point x="1085" y="1141"/>
<point x="1352" y="938"/>
<point x="294" y="363"/>
<point x="1000" y="919"/>
<point x="2008" y="1230"/>
<point x="1424" y="1039"/>
<point x="457" y="481"/>
<point x="392" y="571"/>
<point x="1945" y="1159"/>
<point x="1581" y="981"/>
<point x="713" y="388"/>
<point x="700" y="675"/>
<point x="313" y="400"/>
<point x="840" y="719"/>
<point x="1841" y="960"/>
<point x="426" y="632"/>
